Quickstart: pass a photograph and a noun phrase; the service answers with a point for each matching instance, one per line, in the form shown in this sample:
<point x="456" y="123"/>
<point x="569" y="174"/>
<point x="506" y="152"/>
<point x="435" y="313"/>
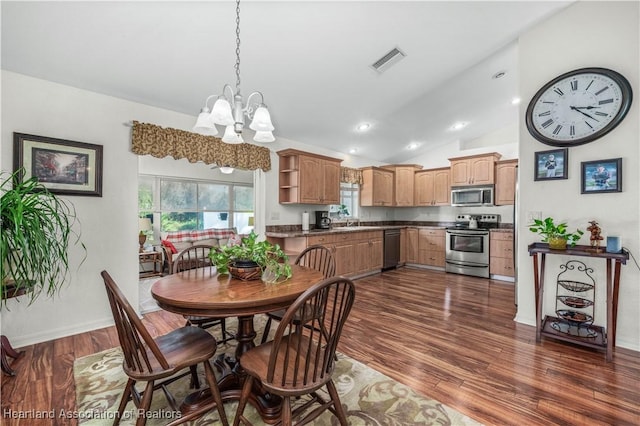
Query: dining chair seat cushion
<point x="182" y="348"/>
<point x="255" y="362"/>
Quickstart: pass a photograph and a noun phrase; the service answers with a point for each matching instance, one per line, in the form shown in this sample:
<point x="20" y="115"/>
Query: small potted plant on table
<point x="556" y="235"/>
<point x="252" y="259"/>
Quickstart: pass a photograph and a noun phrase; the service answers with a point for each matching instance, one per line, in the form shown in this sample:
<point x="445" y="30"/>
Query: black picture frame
<point x="62" y="166"/>
<point x="544" y="162"/>
<point x="597" y="181"/>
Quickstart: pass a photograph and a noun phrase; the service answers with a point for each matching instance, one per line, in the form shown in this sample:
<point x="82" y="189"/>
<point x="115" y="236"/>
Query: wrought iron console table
<point x="613" y="261"/>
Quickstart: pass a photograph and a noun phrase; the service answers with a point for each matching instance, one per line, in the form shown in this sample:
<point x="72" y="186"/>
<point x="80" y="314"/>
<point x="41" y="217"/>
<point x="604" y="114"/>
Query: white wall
<point x="109" y="223"/>
<point x="586" y="34"/>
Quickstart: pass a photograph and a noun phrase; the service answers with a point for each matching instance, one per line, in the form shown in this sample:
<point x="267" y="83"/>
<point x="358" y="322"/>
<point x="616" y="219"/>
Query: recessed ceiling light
<point x="515" y="101"/>
<point x="459" y="125"/>
<point x="413" y="145"/>
<point x="498" y="75"/>
<point x="363" y="127"/>
<point x="353" y="150"/>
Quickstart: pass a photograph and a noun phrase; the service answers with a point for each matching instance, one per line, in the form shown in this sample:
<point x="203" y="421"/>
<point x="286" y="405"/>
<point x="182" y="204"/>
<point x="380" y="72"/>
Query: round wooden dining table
<point x="203" y="292"/>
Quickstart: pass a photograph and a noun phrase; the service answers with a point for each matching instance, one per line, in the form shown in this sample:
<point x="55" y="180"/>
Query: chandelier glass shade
<point x="229" y="109"/>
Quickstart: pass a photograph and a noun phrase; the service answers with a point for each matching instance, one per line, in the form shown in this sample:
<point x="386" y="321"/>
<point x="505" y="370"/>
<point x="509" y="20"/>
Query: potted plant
<point x="252" y="259"/>
<point x="556" y="235"/>
<point x="37" y="229"/>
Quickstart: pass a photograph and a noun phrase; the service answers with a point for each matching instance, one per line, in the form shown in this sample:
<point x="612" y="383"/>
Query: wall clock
<point x="578" y="107"/>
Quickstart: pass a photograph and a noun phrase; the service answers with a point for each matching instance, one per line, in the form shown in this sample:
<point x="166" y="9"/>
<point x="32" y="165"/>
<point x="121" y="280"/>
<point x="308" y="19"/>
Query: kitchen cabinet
<point x="411" y="245"/>
<point x="474" y="169"/>
<point x="377" y="187"/>
<point x="306" y="178"/>
<point x="505" y="182"/>
<point x="501" y="253"/>
<point x="432" y="187"/>
<point x="403" y="183"/>
<point x="431" y="247"/>
<point x="403" y="246"/>
<point x="355" y="253"/>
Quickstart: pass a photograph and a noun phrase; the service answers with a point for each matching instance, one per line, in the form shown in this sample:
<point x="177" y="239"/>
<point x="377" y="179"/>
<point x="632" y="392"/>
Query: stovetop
<point x="485" y="222"/>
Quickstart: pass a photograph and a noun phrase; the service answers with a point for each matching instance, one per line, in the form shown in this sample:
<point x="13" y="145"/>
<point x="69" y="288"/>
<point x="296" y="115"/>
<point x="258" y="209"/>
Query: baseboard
<point x="44" y="336"/>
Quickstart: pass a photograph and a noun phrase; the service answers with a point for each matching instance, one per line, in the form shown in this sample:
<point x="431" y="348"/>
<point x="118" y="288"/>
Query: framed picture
<point x="63" y="167"/>
<point x="602" y="176"/>
<point x="551" y="165"/>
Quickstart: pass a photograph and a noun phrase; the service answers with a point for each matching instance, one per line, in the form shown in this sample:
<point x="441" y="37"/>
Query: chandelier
<point x="232" y="117"/>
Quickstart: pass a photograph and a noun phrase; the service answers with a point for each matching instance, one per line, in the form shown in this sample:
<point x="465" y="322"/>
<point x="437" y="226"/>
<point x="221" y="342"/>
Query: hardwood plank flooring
<point x="449" y="337"/>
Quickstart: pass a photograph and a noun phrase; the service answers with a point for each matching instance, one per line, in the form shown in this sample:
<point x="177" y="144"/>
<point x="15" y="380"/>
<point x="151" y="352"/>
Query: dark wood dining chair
<point x="159" y="361"/>
<point x="197" y="256"/>
<point x="316" y="257"/>
<point x="300" y="359"/>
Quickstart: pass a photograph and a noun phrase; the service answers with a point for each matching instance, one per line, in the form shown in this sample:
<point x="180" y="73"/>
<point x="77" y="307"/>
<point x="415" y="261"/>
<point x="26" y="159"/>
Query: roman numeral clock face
<point x="578" y="107"/>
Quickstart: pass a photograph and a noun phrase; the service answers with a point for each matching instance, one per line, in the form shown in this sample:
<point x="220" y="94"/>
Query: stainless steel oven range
<point x="467" y="244"/>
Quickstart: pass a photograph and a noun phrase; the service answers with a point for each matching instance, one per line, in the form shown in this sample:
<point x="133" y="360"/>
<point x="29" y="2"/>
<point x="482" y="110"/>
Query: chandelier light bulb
<point x="226" y="170"/>
<point x="230" y="136"/>
<point x="261" y="120"/>
<point x="264" y="137"/>
<point x="221" y="113"/>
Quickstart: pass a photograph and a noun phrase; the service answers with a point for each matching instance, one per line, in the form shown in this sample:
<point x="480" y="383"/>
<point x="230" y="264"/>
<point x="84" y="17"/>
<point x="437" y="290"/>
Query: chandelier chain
<point x="237" y="66"/>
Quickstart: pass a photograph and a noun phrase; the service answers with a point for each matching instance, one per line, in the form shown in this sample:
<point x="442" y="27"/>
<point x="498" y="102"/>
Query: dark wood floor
<point x="449" y="337"/>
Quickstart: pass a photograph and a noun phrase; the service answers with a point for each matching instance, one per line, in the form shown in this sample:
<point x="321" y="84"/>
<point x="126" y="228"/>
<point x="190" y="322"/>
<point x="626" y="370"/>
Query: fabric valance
<point x="149" y="139"/>
<point x="349" y="175"/>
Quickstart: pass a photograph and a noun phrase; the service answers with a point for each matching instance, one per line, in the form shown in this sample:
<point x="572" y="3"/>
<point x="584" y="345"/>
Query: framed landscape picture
<point x="602" y="176"/>
<point x="64" y="167"/>
<point x="551" y="165"/>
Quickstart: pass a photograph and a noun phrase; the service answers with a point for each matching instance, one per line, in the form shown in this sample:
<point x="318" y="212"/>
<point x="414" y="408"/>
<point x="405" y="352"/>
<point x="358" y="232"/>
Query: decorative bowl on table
<point x="245" y="270"/>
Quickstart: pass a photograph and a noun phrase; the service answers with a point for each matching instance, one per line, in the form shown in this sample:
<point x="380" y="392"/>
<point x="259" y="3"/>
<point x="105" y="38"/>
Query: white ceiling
<point x="310" y="59"/>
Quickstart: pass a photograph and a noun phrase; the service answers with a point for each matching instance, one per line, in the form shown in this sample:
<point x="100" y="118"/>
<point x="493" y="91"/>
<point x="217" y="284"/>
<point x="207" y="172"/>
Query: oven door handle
<point x="472" y="233"/>
<point x="466" y="265"/>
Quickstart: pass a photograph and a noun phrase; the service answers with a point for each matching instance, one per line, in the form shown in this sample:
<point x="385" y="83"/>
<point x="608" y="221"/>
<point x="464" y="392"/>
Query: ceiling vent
<point x="389" y="59"/>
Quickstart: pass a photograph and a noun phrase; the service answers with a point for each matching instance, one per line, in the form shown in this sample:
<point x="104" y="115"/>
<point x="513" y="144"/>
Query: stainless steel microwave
<point x="467" y="196"/>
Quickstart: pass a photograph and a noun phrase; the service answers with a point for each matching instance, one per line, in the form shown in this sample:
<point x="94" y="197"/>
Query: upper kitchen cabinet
<point x="474" y="170"/>
<point x="403" y="183"/>
<point x="433" y="187"/>
<point x="307" y="178"/>
<point x="506" y="182"/>
<point x="377" y="188"/>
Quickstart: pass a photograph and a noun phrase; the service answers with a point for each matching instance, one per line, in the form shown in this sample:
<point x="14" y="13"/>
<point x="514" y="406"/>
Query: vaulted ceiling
<point x="311" y="60"/>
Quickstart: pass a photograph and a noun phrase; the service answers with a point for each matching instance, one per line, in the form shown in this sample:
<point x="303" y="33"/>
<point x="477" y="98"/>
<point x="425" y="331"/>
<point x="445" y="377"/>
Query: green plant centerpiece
<point x="252" y="259"/>
<point x="556" y="235"/>
<point x="37" y="230"/>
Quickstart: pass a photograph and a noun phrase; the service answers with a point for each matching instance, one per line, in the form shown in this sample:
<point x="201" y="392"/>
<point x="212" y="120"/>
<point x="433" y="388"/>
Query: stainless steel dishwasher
<point x="391" y="248"/>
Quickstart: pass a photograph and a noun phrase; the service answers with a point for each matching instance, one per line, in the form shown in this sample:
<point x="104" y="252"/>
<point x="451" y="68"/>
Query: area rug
<point x="369" y="397"/>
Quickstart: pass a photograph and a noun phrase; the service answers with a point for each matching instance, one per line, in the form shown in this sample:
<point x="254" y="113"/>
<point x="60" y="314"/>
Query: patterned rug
<point x="370" y="397"/>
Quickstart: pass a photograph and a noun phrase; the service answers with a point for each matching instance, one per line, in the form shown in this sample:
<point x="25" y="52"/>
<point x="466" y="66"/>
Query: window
<point x="185" y="204"/>
<point x="349" y="197"/>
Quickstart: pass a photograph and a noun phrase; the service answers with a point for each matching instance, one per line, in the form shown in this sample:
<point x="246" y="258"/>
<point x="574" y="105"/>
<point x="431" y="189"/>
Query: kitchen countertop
<point x="295" y="231"/>
<point x="344" y="229"/>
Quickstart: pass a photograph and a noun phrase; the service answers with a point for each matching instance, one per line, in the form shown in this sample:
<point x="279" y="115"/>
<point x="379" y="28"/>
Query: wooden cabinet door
<point x="441" y="187"/>
<point x="310" y="169"/>
<point x="376" y="253"/>
<point x="382" y="188"/>
<point x="412" y="245"/>
<point x="481" y="170"/>
<point x="424" y="185"/>
<point x="344" y="254"/>
<point x="331" y="184"/>
<point x="506" y="182"/>
<point x="460" y="173"/>
<point x="404" y="182"/>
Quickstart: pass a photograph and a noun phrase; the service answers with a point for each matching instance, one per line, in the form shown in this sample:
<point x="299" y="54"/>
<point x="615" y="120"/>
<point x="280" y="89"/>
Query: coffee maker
<point x="323" y="221"/>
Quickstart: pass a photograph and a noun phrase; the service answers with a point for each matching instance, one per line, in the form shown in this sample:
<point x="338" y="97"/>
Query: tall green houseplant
<point x="37" y="230"/>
